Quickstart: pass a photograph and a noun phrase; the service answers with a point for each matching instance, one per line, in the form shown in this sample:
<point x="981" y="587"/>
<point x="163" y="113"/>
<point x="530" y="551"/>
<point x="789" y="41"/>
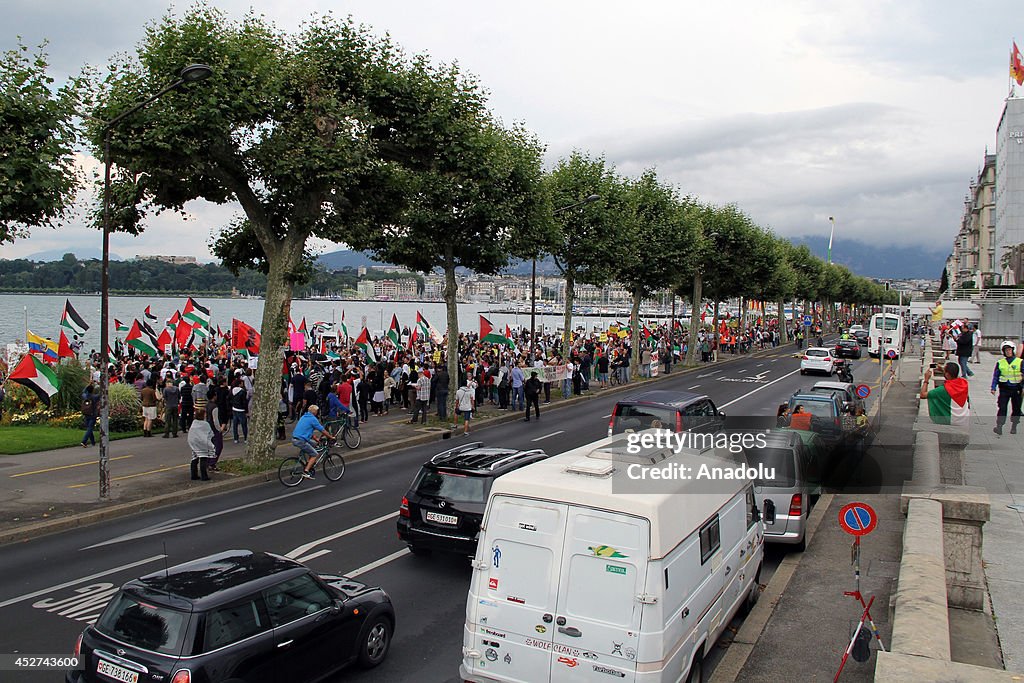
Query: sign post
<point x="859" y="519"/>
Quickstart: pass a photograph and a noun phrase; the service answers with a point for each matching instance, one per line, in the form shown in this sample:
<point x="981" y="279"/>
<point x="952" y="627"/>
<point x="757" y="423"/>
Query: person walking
<point x="440" y="380"/>
<point x="90" y="406"/>
<point x="239" y="410"/>
<point x="422" y="398"/>
<point x="1007" y="377"/>
<point x="518" y="380"/>
<point x="200" y="443"/>
<point x="602" y="369"/>
<point x="218" y="425"/>
<point x="532" y="389"/>
<point x="172" y="397"/>
<point x="149" y="401"/>
<point x="187" y="404"/>
<point x="465" y="404"/>
<point x="976" y="341"/>
<point x="964" y="351"/>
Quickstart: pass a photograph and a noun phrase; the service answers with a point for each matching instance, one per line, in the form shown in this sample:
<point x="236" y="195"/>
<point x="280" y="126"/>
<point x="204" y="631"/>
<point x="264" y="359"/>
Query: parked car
<point x="846" y="348"/>
<point x="445" y="503"/>
<point x="847" y="392"/>
<point x="575" y="580"/>
<point x="663" y="409"/>
<point x="796" y="458"/>
<point x="826" y="416"/>
<point x="237" y="615"/>
<point x="817" y="359"/>
<point x="861" y="336"/>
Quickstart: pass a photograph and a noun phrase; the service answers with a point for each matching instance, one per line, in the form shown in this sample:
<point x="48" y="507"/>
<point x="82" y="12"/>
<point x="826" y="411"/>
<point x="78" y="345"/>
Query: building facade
<point x="1009" y="204"/>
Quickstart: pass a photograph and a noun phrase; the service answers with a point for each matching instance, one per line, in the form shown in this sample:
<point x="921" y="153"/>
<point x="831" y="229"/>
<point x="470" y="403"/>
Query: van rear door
<point x="513" y="593"/>
<point x="597" y="621"/>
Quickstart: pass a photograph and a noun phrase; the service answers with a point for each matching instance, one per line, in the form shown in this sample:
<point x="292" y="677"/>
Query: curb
<point x="37" y="529"/>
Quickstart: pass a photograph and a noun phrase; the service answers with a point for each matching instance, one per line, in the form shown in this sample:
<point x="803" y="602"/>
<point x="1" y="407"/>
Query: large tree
<point x="37" y="143"/>
<point x="585" y="244"/>
<point x="295" y="128"/>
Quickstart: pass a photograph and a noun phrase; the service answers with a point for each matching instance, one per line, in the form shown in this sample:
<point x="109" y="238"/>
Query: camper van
<point x="573" y="581"/>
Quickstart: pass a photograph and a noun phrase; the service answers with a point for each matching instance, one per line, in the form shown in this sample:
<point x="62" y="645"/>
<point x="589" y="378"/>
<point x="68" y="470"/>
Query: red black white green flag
<point x="196" y="314"/>
<point x="141" y="339"/>
<point x="395" y="332"/>
<point x="71" y="321"/>
<point x="37" y="376"/>
<point x="363" y="343"/>
<point x="489" y="335"/>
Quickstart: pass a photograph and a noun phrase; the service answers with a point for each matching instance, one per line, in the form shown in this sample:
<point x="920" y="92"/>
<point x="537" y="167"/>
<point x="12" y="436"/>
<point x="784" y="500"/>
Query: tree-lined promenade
<point x="333" y="132"/>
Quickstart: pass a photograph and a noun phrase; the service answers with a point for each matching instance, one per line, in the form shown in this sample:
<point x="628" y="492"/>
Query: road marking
<point x="760" y="364"/>
<point x="306" y="547"/>
<point x="318" y="509"/>
<point x="776" y="360"/>
<point x="175" y="524"/>
<point x="64" y="467"/>
<point x="713" y="372"/>
<point x="693" y="387"/>
<point x="312" y="556"/>
<point x="605" y="417"/>
<point x="379" y="563"/>
<point x="29" y="596"/>
<point x="548" y="436"/>
<point x="763" y="386"/>
<point x="131" y="476"/>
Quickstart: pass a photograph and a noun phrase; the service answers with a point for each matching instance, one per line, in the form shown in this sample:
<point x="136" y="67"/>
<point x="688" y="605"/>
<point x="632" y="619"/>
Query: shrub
<point x="122" y="420"/>
<point x="19" y="400"/>
<point x="73" y="378"/>
<point x="124" y="396"/>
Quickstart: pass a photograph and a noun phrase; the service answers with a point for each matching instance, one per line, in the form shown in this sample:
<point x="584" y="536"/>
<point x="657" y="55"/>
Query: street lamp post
<point x="831" y="234"/>
<point x="533" y="277"/>
<point x="190" y="74"/>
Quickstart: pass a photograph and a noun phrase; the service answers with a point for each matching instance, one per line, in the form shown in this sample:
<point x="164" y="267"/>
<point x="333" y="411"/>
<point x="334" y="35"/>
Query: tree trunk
<point x="783" y="335"/>
<point x="696" y="302"/>
<point x="635" y="335"/>
<point x="743" y="315"/>
<point x="570" y="298"/>
<point x="714" y="332"/>
<point x="452" y="308"/>
<point x="277" y="306"/>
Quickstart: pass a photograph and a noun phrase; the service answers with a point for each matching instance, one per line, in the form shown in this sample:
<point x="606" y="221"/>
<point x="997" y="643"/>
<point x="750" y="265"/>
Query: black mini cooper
<point x="236" y="616"/>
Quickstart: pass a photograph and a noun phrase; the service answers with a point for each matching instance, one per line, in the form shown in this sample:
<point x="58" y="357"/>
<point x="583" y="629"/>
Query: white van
<point x="575" y="582"/>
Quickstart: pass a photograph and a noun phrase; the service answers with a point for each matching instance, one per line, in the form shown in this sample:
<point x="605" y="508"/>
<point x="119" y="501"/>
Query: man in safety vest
<point x="1007" y="376"/>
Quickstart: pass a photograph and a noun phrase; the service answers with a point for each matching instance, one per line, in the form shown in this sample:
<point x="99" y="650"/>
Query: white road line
<point x="693" y="387"/>
<point x="760" y="364"/>
<point x="379" y="563"/>
<point x="548" y="436"/>
<point x="775" y="360"/>
<point x="29" y="596"/>
<point x="605" y="417"/>
<point x="306" y="547"/>
<point x="311" y="556"/>
<point x="763" y="386"/>
<point x="317" y="509"/>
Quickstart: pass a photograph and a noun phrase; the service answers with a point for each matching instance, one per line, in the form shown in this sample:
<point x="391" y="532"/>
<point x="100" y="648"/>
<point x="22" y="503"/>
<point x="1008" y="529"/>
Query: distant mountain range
<point x="82" y="254"/>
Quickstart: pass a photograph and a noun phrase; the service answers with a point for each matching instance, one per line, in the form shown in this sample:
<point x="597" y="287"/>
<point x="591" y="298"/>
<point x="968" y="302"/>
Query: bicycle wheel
<point x="351" y="437"/>
<point x="290" y="471"/>
<point x="334" y="466"/>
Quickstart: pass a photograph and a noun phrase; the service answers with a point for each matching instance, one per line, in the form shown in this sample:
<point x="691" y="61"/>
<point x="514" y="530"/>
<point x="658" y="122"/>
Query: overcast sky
<point x="875" y="112"/>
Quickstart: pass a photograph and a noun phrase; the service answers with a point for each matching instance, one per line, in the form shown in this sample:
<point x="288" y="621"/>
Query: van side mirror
<point x="769" y="512"/>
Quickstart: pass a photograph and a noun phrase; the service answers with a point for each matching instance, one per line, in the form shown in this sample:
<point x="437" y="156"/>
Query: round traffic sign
<point x="890" y="354"/>
<point x="858" y="519"/>
<point x="863" y="391"/>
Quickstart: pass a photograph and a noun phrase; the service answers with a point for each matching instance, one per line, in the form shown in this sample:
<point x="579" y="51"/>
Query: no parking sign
<point x="863" y="391"/>
<point x="858" y="519"/>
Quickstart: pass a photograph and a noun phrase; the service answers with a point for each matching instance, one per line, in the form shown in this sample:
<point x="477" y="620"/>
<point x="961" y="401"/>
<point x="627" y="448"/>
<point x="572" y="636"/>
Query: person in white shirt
<point x="977" y="344"/>
<point x="465" y="402"/>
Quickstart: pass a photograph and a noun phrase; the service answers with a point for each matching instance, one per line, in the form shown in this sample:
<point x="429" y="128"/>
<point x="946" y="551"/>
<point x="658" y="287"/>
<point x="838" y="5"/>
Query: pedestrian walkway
<point x="997" y="464"/>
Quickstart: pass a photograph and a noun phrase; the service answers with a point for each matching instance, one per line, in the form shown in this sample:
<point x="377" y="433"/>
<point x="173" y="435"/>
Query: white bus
<point x="887" y="328"/>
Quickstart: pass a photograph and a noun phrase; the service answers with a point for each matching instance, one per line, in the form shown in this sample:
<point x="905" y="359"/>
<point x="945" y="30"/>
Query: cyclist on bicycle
<point x="305" y="436"/>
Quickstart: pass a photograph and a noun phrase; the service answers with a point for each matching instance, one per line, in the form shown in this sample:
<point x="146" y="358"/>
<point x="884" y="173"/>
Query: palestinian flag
<point x="344" y="328"/>
<point x="420" y="331"/>
<point x="182" y="332"/>
<point x="363" y="343"/>
<point x="37" y="376"/>
<point x="302" y="326"/>
<point x="949" y="403"/>
<point x="111" y="357"/>
<point x="148" y="315"/>
<point x="395" y="332"/>
<point x="141" y="339"/>
<point x="71" y="321"/>
<point x="145" y="326"/>
<point x="488" y="335"/>
<point x="64" y="347"/>
<point x="196" y="314"/>
<point x="163" y="341"/>
<point x="173" y="320"/>
<point x="201" y="333"/>
<point x="120" y="326"/>
<point x="245" y="338"/>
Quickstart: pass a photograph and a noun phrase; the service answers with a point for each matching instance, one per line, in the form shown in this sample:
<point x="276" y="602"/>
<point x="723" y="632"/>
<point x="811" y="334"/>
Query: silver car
<point x="847" y="392"/>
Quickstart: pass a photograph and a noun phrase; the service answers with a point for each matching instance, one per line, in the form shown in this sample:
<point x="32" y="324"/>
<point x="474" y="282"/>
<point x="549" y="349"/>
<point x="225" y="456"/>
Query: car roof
<point x="476" y="459"/>
<point x="847" y="341"/>
<point x="800" y="397"/>
<point x="676" y="399"/>
<point x="820" y="348"/>
<point x="834" y="385"/>
<point x="777" y="438"/>
<point x="215" y="579"/>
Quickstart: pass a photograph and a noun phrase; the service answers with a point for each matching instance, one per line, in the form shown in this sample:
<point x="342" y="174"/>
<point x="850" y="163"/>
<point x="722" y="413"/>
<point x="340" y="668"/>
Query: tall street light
<point x="192" y="73"/>
<point x="831" y="234"/>
<point x="533" y="277"/>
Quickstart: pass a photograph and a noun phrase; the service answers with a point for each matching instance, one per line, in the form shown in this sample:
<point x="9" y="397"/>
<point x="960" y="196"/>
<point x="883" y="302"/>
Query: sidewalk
<point x="997" y="464"/>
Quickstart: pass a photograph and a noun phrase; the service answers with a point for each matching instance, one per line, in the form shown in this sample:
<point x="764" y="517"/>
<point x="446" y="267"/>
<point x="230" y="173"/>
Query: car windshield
<point x="450" y="486"/>
<point x="890" y="323"/>
<point x="816" y="408"/>
<point x="817" y="352"/>
<point x="846" y="342"/>
<point x="144" y="625"/>
<point x="829" y="392"/>
<point x="635" y="418"/>
<point x="779" y="466"/>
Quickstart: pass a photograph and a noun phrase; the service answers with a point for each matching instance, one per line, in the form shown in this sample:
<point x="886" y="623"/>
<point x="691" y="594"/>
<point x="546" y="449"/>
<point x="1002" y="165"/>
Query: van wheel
<point x="754" y="594"/>
<point x="375" y="641"/>
<point x="696" y="668"/>
<point x="802" y="545"/>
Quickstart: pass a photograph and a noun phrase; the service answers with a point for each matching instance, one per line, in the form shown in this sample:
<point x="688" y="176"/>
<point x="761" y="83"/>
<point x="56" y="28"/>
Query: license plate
<point x="442" y="519"/>
<point x="116" y="672"/>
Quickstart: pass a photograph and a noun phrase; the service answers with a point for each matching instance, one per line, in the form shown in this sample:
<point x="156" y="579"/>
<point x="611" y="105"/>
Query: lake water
<point x="44" y="313"/>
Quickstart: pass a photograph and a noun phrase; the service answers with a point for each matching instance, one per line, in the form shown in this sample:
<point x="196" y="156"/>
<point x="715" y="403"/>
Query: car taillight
<point x="77" y="652"/>
<point x="182" y="676"/>
<point x="796" y="505"/>
<point x="404" y="510"/>
<point x="679" y="422"/>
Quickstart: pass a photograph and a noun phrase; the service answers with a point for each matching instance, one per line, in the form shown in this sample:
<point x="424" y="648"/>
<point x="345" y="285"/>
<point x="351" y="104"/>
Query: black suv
<point x="847" y="348"/>
<point x="240" y="616"/>
<point x="445" y="503"/>
<point x="674" y="410"/>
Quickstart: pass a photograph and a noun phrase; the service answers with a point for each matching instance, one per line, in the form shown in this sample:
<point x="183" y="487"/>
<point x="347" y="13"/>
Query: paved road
<point x="52" y="586"/>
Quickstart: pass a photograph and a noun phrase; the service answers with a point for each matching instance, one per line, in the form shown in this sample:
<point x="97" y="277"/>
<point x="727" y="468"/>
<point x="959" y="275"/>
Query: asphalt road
<point x="53" y="586"/>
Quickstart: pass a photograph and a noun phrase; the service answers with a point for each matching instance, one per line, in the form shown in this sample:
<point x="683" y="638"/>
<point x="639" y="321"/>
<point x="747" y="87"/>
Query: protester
<point x="532" y="390"/>
<point x="90" y="408"/>
<point x="465" y="404"/>
<point x="949" y="403"/>
<point x="239" y="411"/>
<point x="200" y="442"/>
<point x="422" y="398"/>
<point x="171" y="397"/>
<point x="149" y="401"/>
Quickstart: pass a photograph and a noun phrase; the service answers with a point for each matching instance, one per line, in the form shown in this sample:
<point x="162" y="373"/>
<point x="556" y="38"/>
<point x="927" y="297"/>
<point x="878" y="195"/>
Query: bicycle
<point x="343" y="427"/>
<point x="290" y="470"/>
<point x="613" y="377"/>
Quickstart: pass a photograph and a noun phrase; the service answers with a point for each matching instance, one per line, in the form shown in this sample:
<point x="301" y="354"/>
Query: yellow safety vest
<point x="1009" y="371"/>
